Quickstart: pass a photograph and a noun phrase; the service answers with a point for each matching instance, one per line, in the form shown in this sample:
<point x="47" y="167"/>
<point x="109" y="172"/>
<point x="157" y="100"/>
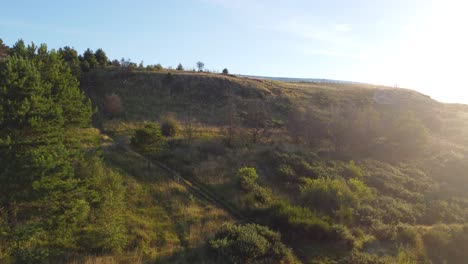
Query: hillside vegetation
<point x="197" y="167"/>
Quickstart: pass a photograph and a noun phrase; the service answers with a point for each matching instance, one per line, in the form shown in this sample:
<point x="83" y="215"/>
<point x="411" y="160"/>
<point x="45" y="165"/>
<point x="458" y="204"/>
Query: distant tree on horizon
<point x="115" y="63"/>
<point x="200" y="66"/>
<point x="180" y="67"/>
<point x="3" y="50"/>
<point x="225" y="71"/>
<point x="101" y="57"/>
<point x="90" y="58"/>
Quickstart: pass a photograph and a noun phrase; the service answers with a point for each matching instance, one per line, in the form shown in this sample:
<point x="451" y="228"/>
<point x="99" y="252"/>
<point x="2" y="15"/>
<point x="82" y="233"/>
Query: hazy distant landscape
<point x="289" y="79"/>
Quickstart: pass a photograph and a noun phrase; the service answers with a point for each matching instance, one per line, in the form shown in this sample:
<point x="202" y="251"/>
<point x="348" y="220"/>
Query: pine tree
<point x="3" y="50"/>
<point x="39" y="100"/>
<point x="89" y="57"/>
<point x="101" y="57"/>
<point x="70" y="56"/>
<point x="19" y="49"/>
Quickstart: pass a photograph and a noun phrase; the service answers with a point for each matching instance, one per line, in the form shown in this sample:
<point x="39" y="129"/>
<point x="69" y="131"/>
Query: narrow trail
<point x="191" y="184"/>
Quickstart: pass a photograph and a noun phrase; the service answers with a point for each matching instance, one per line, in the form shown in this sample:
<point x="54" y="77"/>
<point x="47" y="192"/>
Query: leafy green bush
<point x="297" y="220"/>
<point x="105" y="230"/>
<point x="148" y="140"/>
<point x="352" y="170"/>
<point x="286" y="171"/>
<point x="262" y="195"/>
<point x="256" y="194"/>
<point x="363" y="258"/>
<point x="247" y="177"/>
<point x="249" y="243"/>
<point x="169" y="127"/>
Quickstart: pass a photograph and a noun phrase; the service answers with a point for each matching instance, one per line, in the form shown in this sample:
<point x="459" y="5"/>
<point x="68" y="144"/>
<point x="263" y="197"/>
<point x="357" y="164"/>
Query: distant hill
<point x="306" y="80"/>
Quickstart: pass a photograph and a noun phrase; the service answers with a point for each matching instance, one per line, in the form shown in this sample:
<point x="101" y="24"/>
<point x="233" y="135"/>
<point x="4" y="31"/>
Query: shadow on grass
<point x="133" y="164"/>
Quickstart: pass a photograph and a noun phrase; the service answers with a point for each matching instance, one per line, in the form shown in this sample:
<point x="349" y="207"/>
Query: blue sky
<point x="418" y="44"/>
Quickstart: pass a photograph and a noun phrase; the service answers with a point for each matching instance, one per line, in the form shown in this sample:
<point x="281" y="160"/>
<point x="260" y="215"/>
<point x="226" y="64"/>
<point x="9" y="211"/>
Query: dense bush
<point x="249" y="243"/>
<point x="255" y="194"/>
<point x="105" y="230"/>
<point x="352" y="170"/>
<point x="247" y="177"/>
<point x="148" y="140"/>
<point x="299" y="223"/>
<point x="330" y="195"/>
<point x="169" y="127"/>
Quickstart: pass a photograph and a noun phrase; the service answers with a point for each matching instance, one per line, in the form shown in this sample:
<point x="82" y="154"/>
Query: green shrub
<point x="408" y="235"/>
<point x="331" y="195"/>
<point x="148" y="140"/>
<point x="105" y="230"/>
<point x="363" y="258"/>
<point x="352" y="170"/>
<point x="248" y="177"/>
<point x="262" y="195"/>
<point x="169" y="127"/>
<point x="298" y="221"/>
<point x="327" y="194"/>
<point x="287" y="171"/>
<point x="383" y="231"/>
<point x="249" y="243"/>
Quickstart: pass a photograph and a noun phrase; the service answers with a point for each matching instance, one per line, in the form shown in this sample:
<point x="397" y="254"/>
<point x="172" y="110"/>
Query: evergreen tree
<point x="3" y="50"/>
<point x="70" y="56"/>
<point x="39" y="100"/>
<point x="19" y="49"/>
<point x="200" y="66"/>
<point x="89" y="57"/>
<point x="180" y="67"/>
<point x="148" y="141"/>
<point x="101" y="57"/>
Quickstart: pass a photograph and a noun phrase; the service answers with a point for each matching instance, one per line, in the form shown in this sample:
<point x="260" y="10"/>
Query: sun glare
<point x="431" y="54"/>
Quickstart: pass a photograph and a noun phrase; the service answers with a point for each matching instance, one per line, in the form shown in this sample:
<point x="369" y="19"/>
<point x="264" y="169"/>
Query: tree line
<point x="56" y="197"/>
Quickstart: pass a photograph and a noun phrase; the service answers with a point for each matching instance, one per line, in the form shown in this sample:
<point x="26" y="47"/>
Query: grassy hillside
<point x="348" y="173"/>
<point x="191" y="167"/>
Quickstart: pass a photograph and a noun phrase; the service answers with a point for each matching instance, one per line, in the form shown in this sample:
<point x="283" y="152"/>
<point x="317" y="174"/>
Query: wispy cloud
<point x="312" y="36"/>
